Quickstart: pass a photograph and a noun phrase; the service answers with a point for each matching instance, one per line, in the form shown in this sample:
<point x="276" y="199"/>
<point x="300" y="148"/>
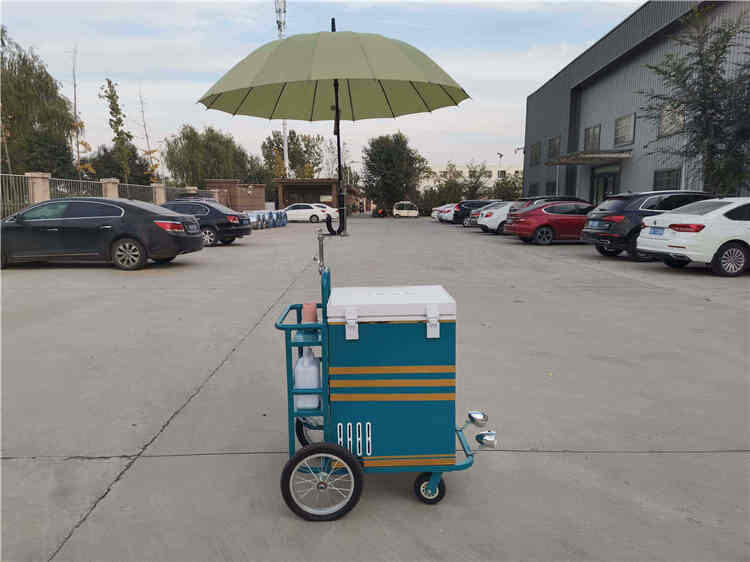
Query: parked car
<point x="405" y="209"/>
<point x="473" y="218"/>
<point x="527" y="202"/>
<point x="715" y="232"/>
<point x="124" y="232"/>
<point x="546" y="222"/>
<point x="305" y="212"/>
<point x="614" y="225"/>
<point x="462" y="210"/>
<point x="217" y="222"/>
<point x="492" y="217"/>
<point x="329" y="210"/>
<point x="435" y="214"/>
<point x="446" y="213"/>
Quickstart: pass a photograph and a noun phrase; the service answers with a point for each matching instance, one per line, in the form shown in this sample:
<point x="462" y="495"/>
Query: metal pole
<point x="281" y="25"/>
<point x="337" y="132"/>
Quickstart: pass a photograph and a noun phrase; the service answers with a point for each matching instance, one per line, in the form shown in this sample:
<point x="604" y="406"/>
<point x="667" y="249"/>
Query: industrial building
<point x="585" y="131"/>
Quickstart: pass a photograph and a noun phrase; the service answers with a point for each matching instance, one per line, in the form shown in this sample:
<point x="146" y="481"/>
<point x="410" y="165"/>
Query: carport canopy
<point x="593" y="158"/>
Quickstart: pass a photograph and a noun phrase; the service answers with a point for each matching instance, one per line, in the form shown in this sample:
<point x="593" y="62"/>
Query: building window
<point x="533" y="189"/>
<point x="671" y="121"/>
<point x="591" y="137"/>
<point x="536" y="154"/>
<point x="551" y="188"/>
<point x="553" y="148"/>
<point x="501" y="174"/>
<point x="667" y="179"/>
<point x="625" y="130"/>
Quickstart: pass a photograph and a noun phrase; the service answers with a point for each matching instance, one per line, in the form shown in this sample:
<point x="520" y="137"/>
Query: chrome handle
<point x="105" y="227"/>
<point x="52" y="229"/>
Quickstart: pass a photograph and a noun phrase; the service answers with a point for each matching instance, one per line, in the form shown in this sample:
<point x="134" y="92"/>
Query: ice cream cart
<point x="381" y="398"/>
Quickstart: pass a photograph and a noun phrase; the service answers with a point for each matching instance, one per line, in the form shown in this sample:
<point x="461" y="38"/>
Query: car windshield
<point x="611" y="204"/>
<point x="699" y="207"/>
<point x="158" y="209"/>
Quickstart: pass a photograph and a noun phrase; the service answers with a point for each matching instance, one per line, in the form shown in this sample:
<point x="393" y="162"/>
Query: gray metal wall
<point x="548" y="110"/>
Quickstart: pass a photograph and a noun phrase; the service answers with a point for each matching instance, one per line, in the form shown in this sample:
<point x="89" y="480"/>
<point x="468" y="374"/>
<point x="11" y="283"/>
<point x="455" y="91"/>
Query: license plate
<point x="656" y="230"/>
<point x="594" y="224"/>
<point x="192" y="227"/>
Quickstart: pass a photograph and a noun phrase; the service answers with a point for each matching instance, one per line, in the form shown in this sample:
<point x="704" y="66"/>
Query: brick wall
<point x="240" y="197"/>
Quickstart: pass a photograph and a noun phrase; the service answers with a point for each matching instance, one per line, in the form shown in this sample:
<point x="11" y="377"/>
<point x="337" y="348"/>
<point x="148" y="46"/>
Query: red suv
<point x="543" y="223"/>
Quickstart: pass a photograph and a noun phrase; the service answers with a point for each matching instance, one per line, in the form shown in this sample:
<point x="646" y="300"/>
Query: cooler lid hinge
<point x="352" y="327"/>
<point x="433" y="322"/>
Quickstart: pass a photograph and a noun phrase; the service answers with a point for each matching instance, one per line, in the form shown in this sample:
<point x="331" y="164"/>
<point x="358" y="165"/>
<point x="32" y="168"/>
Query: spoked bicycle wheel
<point x="322" y="482"/>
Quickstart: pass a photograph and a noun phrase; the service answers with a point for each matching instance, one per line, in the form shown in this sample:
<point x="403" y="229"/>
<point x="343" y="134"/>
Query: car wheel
<point x="227" y="241"/>
<point x="544" y="236"/>
<point x="128" y="254"/>
<point x="209" y="236"/>
<point x="420" y="489"/>
<point x="677" y="264"/>
<point x="500" y="228"/>
<point x="527" y="240"/>
<point x="314" y="218"/>
<point x="164" y="260"/>
<point x="730" y="260"/>
<point x="308" y="477"/>
<point x="466" y="222"/>
<point x="608" y="252"/>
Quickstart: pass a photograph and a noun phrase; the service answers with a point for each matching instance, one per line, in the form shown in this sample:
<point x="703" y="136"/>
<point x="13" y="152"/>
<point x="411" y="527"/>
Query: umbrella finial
<point x="333" y="25"/>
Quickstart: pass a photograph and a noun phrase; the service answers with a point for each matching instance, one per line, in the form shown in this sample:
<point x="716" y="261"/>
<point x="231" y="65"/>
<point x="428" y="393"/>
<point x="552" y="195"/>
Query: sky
<point x="498" y="52"/>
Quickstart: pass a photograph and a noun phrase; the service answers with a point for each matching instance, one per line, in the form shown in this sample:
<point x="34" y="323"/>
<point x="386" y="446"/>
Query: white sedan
<point x="328" y="209"/>
<point x="715" y="232"/>
<point x="436" y="212"/>
<point x="446" y="212"/>
<point x="306" y="212"/>
<point x="492" y="217"/>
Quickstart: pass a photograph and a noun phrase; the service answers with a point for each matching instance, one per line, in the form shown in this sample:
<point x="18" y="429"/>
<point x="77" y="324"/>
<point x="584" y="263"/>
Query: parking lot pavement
<point x="144" y="412"/>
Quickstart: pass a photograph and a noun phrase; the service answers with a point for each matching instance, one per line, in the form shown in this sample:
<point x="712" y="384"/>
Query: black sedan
<point x="217" y="222"/>
<point x="123" y="232"/>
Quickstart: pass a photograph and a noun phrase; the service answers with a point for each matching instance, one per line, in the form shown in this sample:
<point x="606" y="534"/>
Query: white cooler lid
<point x="383" y="303"/>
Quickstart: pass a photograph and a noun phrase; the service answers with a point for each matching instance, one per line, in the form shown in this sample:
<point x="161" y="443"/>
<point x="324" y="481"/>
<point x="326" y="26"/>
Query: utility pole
<point x="75" y="111"/>
<point x="280" y="6"/>
<point x="145" y="133"/>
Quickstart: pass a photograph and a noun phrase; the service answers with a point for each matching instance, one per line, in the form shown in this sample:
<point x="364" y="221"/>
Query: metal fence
<point x="178" y="192"/>
<point x="139" y="192"/>
<point x="74" y="188"/>
<point x="15" y="193"/>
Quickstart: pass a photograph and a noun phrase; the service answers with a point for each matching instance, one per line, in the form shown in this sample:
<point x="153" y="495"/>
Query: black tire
<point x="209" y="236"/>
<point x="527" y="240"/>
<point x="420" y="485"/>
<point x="314" y="219"/>
<point x="500" y="228"/>
<point x="227" y="241"/>
<point x="544" y="236"/>
<point x="302" y="436"/>
<point x="128" y="254"/>
<point x="731" y="260"/>
<point x="352" y="467"/>
<point x="164" y="260"/>
<point x="676" y="264"/>
<point x="608" y="252"/>
<point x="466" y="222"/>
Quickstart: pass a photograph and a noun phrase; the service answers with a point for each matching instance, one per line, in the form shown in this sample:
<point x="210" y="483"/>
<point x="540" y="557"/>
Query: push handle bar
<point x="280" y="325"/>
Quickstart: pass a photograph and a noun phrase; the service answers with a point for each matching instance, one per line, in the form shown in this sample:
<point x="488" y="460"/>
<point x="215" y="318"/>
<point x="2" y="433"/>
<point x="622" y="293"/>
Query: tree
<point x="392" y="169"/>
<point x="476" y="183"/>
<point x="305" y="154"/>
<point x="703" y="103"/>
<point x="257" y="172"/>
<point x="104" y="163"/>
<point x="37" y="120"/>
<point x="192" y="157"/>
<point x="508" y="187"/>
<point x="123" y="138"/>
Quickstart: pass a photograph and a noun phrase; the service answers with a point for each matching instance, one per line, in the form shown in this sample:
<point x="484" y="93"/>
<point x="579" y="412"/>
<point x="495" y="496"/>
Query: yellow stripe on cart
<point x="392" y="369"/>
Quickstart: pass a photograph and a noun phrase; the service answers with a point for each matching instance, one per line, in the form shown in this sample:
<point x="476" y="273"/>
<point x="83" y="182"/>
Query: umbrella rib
<point x="427" y="107"/>
<point x="243" y="101"/>
<point x="447" y="94"/>
<point x="210" y="105"/>
<point x="315" y="94"/>
<point x="386" y="99"/>
<point x="277" y="101"/>
<point x="351" y="101"/>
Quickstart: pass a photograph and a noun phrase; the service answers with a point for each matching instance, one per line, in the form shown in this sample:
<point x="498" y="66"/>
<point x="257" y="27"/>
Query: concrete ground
<point x="143" y="413"/>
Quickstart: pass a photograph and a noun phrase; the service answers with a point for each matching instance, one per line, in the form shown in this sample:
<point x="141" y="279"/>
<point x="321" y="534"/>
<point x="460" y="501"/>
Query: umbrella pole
<point x="337" y="132"/>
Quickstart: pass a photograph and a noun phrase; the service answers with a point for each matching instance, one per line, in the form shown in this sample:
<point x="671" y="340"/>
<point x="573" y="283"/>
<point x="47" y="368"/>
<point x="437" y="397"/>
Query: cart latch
<point x="352" y="328"/>
<point x="433" y="322"/>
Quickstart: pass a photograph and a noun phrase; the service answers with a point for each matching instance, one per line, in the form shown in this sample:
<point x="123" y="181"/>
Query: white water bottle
<point x="307" y="375"/>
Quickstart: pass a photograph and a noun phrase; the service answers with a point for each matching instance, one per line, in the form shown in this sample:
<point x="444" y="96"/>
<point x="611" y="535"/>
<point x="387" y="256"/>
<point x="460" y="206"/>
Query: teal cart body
<point x="386" y="395"/>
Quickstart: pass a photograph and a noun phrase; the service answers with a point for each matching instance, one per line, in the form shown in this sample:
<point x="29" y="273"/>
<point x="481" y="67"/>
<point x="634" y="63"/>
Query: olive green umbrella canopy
<point x="293" y="78"/>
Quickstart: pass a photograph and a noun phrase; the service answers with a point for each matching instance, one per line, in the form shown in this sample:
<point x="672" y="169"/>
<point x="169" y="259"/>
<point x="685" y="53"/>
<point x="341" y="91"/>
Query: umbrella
<point x="334" y="76"/>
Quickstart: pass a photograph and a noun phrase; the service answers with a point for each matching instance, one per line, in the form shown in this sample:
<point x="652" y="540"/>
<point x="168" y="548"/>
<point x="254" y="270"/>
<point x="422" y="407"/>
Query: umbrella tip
<point x="333" y="25"/>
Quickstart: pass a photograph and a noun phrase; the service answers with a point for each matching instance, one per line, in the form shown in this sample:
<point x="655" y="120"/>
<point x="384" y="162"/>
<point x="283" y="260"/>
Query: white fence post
<point x="111" y="188"/>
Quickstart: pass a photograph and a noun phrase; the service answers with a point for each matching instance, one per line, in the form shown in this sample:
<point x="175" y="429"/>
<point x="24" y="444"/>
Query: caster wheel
<point x="420" y="489"/>
<point x="322" y="482"/>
